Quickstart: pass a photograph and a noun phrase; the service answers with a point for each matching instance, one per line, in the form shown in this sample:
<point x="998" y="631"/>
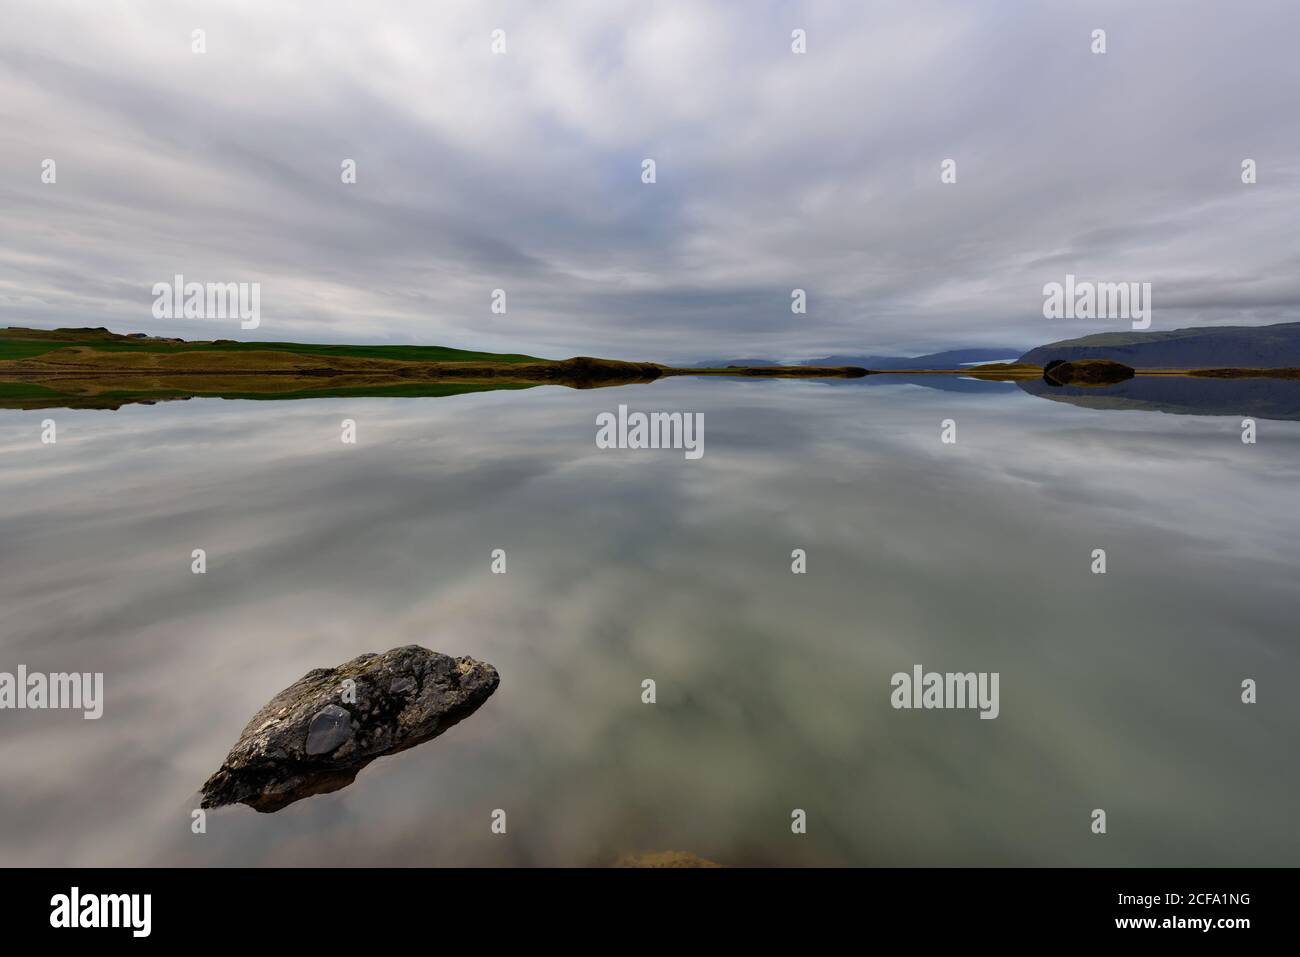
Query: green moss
<point x="25" y="390"/>
<point x="403" y="353"/>
<point x="426" y="390"/>
<point x="23" y="349"/>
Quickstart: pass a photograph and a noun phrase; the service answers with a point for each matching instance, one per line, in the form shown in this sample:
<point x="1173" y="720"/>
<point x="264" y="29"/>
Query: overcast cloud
<point x="522" y="171"/>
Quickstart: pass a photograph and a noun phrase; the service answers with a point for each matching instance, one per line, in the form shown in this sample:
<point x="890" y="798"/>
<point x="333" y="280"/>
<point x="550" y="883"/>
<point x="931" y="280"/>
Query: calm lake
<point x="1120" y="691"/>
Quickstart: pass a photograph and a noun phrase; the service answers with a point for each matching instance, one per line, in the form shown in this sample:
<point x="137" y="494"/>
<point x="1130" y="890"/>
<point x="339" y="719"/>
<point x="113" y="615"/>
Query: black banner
<point x="346" y="906"/>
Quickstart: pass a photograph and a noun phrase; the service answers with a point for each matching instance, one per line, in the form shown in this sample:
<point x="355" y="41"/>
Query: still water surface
<point x="1118" y="691"/>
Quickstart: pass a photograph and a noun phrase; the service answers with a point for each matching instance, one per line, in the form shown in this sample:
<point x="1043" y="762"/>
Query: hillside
<point x="19" y="343"/>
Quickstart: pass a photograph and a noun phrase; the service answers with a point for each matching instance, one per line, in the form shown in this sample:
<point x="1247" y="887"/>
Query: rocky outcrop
<point x="317" y="734"/>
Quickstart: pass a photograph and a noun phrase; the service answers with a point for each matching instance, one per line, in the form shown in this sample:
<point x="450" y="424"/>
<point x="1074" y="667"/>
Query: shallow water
<point x="1118" y="691"/>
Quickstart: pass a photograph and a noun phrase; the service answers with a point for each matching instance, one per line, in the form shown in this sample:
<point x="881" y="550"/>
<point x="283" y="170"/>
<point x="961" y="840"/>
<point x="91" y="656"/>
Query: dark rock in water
<point x="1086" y="372"/>
<point x="317" y="734"/>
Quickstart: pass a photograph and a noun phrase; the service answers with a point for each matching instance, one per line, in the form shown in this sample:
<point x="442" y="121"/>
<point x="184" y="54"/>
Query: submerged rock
<point x="663" y="859"/>
<point x="317" y="734"/>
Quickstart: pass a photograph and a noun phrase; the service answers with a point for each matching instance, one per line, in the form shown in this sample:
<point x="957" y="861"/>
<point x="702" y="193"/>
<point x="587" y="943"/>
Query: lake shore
<point x="102" y="369"/>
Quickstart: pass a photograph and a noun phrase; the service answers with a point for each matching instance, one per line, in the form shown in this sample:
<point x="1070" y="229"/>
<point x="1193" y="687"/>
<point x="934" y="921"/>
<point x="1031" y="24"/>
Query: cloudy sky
<point x="522" y="171"/>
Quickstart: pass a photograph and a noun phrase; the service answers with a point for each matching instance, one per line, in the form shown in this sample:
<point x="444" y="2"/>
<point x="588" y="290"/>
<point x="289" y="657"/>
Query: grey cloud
<point x="775" y="171"/>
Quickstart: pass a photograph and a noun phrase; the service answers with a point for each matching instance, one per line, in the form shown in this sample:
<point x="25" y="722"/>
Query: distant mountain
<point x="1246" y="347"/>
<point x="951" y="359"/>
<point x="941" y="383"/>
<point x="724" y="363"/>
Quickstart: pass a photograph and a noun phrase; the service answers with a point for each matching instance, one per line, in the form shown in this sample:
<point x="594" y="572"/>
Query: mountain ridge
<point x="1246" y="347"/>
